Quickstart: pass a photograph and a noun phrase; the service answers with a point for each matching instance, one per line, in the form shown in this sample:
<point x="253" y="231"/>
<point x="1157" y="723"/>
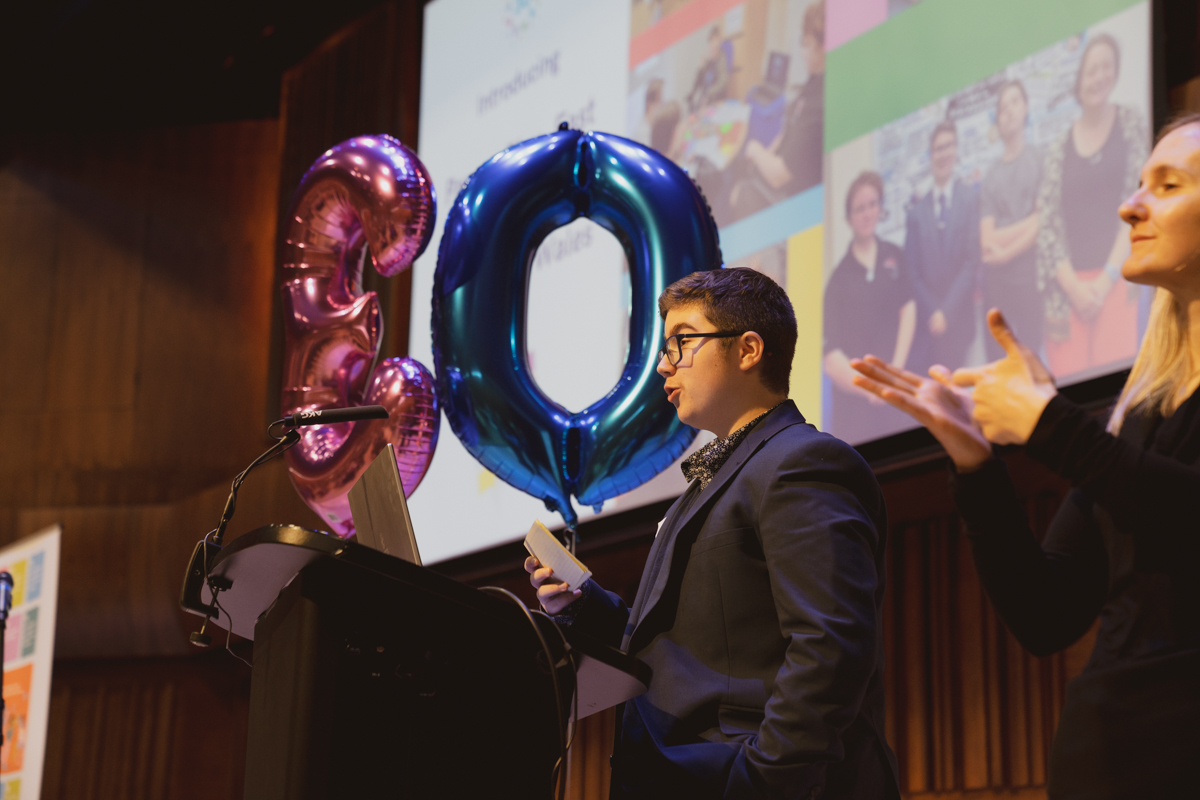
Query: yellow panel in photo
<point x="805" y="272"/>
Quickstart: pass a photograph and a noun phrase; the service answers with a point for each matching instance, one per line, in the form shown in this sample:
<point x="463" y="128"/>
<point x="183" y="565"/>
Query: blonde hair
<point x="1163" y="365"/>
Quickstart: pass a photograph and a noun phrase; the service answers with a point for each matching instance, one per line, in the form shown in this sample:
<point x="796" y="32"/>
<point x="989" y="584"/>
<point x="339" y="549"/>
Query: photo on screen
<point x="1002" y="194"/>
<point x="738" y="101"/>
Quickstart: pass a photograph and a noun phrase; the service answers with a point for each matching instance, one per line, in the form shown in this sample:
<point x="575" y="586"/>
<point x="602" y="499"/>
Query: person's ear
<point x="752" y="350"/>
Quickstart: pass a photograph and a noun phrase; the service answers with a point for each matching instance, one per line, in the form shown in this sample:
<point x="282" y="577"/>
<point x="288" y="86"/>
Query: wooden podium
<point x="374" y="677"/>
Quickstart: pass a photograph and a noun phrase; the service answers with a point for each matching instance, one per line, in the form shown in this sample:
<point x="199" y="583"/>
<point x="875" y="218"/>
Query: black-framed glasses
<point x="672" y="350"/>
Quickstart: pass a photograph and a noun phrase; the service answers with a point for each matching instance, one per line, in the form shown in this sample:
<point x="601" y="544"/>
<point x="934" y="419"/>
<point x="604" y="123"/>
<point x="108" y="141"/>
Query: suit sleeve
<point x="915" y="263"/>
<point x="1048" y="594"/>
<point x="598" y="613"/>
<point x="1149" y="495"/>
<point x="819" y="536"/>
<point x="968" y="273"/>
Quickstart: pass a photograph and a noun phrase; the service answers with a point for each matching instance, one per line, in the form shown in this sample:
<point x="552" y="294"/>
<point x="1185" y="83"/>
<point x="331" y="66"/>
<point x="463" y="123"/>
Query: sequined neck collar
<point x="708" y="460"/>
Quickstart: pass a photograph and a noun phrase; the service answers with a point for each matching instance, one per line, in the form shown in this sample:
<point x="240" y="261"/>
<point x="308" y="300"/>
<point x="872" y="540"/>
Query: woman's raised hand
<point x="1010" y="394"/>
<point x="934" y="402"/>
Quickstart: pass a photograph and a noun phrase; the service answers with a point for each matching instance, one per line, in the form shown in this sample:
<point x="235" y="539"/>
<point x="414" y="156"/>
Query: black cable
<point x="573" y="723"/>
<point x="559" y="784"/>
<point x="282" y="444"/>
<point x="229" y="632"/>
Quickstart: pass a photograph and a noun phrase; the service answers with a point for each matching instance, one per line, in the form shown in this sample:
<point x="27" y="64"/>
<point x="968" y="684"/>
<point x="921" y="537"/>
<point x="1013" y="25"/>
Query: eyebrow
<point x="680" y="326"/>
<point x="1166" y="169"/>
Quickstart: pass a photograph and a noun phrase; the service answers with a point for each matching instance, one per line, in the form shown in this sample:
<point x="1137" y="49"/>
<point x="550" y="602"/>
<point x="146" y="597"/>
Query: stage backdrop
<point x="775" y="107"/>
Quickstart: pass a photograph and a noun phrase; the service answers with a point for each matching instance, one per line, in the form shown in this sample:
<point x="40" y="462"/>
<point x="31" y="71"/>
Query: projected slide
<point x="957" y="184"/>
<point x="897" y="165"/>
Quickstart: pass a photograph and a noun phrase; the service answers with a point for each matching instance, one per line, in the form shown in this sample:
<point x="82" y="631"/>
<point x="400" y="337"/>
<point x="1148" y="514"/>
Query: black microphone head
<point x="331" y="416"/>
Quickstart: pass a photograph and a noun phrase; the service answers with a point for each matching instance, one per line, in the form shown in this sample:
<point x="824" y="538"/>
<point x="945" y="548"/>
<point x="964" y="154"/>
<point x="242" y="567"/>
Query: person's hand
<point x="934" y="402"/>
<point x="553" y="595"/>
<point x="937" y="323"/>
<point x="1010" y="394"/>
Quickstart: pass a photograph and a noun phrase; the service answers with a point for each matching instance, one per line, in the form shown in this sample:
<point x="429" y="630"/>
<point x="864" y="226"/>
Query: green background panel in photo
<point x="938" y="47"/>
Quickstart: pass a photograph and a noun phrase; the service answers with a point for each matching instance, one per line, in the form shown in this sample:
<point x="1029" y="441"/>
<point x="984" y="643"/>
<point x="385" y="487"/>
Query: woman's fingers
<point x="874" y="387"/>
<point x="908" y="403"/>
<point x="968" y="377"/>
<point x="942" y="375"/>
<point x="879" y="370"/>
<point x="1003" y="334"/>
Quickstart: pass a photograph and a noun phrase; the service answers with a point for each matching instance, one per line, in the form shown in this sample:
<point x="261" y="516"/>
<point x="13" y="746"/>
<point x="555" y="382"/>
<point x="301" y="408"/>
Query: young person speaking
<point x="760" y="603"/>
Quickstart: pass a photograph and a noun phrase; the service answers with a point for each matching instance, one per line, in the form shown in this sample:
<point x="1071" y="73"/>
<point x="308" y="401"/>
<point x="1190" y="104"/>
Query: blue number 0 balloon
<point x="480" y="291"/>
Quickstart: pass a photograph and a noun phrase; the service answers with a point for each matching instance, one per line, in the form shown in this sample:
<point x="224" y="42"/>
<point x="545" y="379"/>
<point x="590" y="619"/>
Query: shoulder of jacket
<point x="803" y="442"/>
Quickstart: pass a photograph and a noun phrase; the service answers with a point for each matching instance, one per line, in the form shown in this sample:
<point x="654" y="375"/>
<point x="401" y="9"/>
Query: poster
<point x="28" y="661"/>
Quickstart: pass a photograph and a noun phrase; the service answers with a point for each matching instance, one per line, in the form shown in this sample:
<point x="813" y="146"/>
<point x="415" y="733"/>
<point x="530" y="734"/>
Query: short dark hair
<point x="945" y="126"/>
<point x="741" y="299"/>
<point x="864" y="179"/>
<point x="1093" y="43"/>
<point x="1011" y="84"/>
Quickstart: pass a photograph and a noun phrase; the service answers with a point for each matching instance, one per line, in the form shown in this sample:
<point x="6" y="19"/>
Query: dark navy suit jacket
<point x="944" y="264"/>
<point x="760" y="613"/>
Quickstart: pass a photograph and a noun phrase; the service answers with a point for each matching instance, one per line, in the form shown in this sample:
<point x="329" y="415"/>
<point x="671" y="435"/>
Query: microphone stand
<point x="198" y="567"/>
<point x="6" y="589"/>
<point x="197" y="572"/>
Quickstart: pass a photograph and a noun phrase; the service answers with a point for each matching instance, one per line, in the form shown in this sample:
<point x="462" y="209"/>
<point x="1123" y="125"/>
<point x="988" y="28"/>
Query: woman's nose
<point x="1133" y="209"/>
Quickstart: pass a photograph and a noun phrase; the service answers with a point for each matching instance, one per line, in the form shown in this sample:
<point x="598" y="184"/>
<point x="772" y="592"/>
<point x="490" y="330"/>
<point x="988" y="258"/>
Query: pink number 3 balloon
<point x="368" y="197"/>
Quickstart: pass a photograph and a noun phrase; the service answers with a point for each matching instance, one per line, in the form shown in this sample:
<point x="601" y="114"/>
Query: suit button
<point x="815" y="793"/>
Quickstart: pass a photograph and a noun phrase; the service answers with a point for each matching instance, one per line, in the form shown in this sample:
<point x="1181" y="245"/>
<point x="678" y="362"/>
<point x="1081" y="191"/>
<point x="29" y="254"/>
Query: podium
<point x="374" y="677"/>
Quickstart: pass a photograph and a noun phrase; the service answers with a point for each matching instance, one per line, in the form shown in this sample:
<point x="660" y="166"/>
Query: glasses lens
<point x="674" y="349"/>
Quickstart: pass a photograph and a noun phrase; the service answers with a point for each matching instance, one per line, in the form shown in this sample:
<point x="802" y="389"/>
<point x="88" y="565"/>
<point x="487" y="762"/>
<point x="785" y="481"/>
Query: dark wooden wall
<point x="139" y="341"/>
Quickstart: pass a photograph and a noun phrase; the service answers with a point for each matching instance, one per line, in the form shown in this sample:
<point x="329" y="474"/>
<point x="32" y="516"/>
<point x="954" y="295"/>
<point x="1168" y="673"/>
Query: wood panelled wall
<point x="139" y="282"/>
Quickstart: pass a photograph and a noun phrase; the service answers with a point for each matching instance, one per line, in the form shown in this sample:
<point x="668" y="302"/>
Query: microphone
<point x="329" y="416"/>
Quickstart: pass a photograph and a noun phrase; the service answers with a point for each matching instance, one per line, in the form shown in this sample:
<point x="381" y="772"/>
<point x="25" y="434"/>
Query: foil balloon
<point x="494" y="406"/>
<point x="367" y="198"/>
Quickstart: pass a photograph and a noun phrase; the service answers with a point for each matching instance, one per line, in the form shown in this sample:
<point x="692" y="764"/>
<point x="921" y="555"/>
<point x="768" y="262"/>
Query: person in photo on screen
<point x="766" y="174"/>
<point x="654" y="99"/>
<point x="760" y="605"/>
<point x="712" y="80"/>
<point x="942" y="252"/>
<point x="1122" y="551"/>
<point x="1091" y="314"/>
<point x="664" y="129"/>
<point x="869" y="308"/>
<point x="1008" y="226"/>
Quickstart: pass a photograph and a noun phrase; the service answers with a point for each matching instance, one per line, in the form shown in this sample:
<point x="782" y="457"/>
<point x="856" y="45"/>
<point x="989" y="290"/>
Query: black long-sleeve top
<point x="1124" y="546"/>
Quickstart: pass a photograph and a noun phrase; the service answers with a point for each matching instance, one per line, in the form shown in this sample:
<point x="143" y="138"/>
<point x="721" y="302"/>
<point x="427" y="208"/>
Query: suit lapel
<point x="649" y="595"/>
